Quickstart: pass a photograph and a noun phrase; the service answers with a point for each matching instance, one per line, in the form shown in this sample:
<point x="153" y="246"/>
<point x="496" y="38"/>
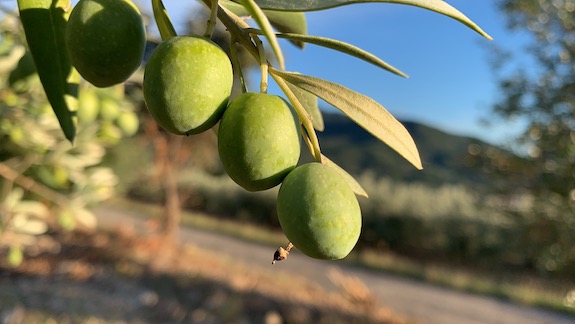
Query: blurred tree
<point x="47" y="183"/>
<point x="543" y="94"/>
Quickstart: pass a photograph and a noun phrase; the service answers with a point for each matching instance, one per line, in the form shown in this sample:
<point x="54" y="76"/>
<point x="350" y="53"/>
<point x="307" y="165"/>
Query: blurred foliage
<point x="45" y="181"/>
<point x="543" y="95"/>
<point x="450" y="223"/>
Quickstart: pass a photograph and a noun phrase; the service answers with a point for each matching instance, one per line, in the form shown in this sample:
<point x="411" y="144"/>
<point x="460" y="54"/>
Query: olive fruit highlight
<point x="318" y="212"/>
<point x="258" y="140"/>
<point x="187" y="84"/>
<point x="106" y="40"/>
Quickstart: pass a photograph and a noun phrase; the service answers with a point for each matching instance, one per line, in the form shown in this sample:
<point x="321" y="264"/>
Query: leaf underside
<point x="438" y="6"/>
<point x="342" y="47"/>
<point x="355" y="186"/>
<point x="309" y="103"/>
<point x="363" y="110"/>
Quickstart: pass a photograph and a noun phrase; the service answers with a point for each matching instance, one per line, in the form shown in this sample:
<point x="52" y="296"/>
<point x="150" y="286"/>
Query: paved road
<point x="413" y="298"/>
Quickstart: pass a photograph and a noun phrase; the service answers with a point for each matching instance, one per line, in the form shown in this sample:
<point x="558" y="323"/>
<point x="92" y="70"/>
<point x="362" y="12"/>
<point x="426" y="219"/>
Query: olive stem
<point x="261" y="58"/>
<point x="212" y="20"/>
<point x="303" y="116"/>
<point x="263" y="65"/>
<point x="237" y="27"/>
<point x="234" y="25"/>
<point x="308" y="143"/>
<point x="236" y="64"/>
<point x="264" y="82"/>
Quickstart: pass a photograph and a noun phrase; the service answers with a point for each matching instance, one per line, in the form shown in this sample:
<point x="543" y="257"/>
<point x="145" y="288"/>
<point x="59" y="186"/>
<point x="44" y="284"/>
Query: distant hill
<point x="445" y="157"/>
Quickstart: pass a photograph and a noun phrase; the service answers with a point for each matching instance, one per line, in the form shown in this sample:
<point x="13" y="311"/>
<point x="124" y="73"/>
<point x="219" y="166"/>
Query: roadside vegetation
<point x="449" y="235"/>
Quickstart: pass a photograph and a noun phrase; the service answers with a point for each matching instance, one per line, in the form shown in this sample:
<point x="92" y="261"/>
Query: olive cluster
<point x="187" y="86"/>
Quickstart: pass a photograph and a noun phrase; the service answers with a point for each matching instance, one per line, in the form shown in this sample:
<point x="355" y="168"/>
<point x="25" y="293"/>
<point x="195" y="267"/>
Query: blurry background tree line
<point x="543" y="95"/>
<point x="494" y="209"/>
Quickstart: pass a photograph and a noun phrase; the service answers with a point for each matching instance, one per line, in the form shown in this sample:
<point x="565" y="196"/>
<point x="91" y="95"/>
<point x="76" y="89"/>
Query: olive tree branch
<point x="212" y="20"/>
<point x="32" y="185"/>
<point x="263" y="65"/>
<point x="233" y="23"/>
<point x="236" y="64"/>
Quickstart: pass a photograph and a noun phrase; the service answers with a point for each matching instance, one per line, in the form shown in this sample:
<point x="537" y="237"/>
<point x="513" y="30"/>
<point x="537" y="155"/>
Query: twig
<point x="32" y="185"/>
<point x="212" y="20"/>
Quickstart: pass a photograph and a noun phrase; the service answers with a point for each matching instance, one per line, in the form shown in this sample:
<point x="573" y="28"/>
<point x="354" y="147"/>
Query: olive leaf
<point x="44" y="23"/>
<point x="262" y="21"/>
<point x="355" y="186"/>
<point x="163" y="21"/>
<point x="283" y="21"/>
<point x="341" y="47"/>
<point x="309" y="103"/>
<point x="363" y="110"/>
<point x="438" y="6"/>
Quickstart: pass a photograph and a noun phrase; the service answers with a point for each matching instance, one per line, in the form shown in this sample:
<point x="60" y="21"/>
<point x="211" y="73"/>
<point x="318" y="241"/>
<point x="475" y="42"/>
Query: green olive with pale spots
<point x="258" y="140"/>
<point x="106" y="40"/>
<point x="318" y="212"/>
<point x="187" y="84"/>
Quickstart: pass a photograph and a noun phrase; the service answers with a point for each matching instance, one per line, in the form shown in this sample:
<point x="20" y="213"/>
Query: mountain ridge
<point x="446" y="157"/>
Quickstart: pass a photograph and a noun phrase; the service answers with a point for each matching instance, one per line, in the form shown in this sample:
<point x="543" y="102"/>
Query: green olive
<point x="106" y="40"/>
<point x="187" y="83"/>
<point x="258" y="140"/>
<point x="318" y="212"/>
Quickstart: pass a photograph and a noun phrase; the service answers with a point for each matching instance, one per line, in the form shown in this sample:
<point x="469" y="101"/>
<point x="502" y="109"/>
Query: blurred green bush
<point x="449" y="223"/>
<point x="47" y="182"/>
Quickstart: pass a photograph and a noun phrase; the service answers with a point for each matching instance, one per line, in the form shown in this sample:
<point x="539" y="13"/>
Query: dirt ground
<point x="122" y="277"/>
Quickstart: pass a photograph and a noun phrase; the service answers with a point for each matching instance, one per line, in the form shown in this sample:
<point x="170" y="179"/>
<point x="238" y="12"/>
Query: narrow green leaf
<point x="344" y="48"/>
<point x="262" y="21"/>
<point x="163" y="21"/>
<point x="309" y="103"/>
<point x="438" y="6"/>
<point x="355" y="186"/>
<point x="363" y="110"/>
<point x="288" y="22"/>
<point x="283" y="21"/>
<point x="44" y="23"/>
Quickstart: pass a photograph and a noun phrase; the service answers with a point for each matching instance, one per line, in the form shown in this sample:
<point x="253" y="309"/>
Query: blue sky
<point x="451" y="84"/>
